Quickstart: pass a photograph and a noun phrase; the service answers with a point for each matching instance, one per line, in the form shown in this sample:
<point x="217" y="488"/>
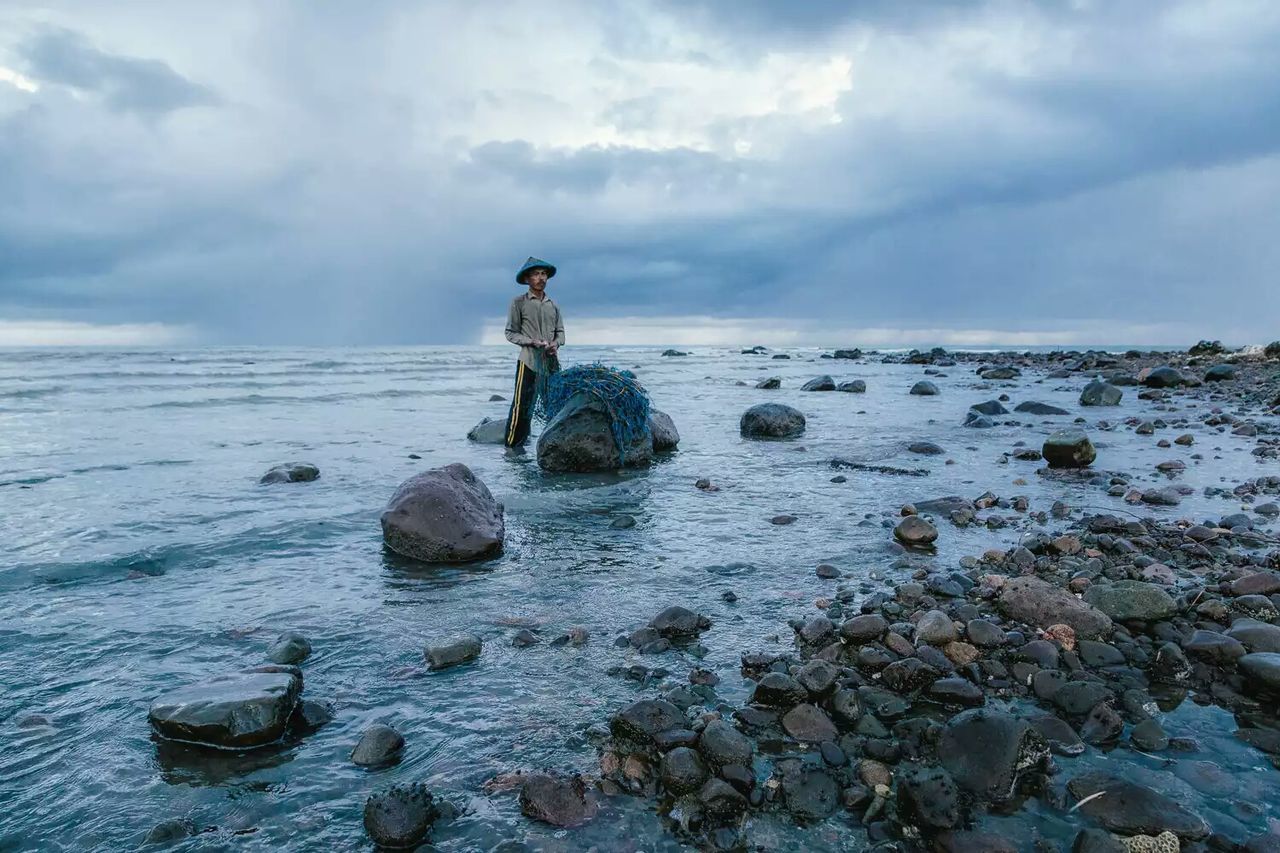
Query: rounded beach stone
<point x="443" y="515"/>
<point x="771" y="420"/>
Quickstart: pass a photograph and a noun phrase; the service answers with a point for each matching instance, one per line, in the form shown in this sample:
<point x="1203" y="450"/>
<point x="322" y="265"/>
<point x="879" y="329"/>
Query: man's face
<point x="536" y="279"/>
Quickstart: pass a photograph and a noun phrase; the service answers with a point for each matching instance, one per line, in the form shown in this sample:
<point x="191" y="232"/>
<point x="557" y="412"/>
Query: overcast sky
<point x="702" y="171"/>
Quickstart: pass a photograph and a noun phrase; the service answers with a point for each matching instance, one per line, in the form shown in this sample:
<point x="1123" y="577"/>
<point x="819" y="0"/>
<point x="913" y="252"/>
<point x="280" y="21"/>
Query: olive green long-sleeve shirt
<point x="531" y="319"/>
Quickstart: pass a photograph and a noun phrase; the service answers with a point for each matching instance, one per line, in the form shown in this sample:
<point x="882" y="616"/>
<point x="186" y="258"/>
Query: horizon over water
<point x="138" y="553"/>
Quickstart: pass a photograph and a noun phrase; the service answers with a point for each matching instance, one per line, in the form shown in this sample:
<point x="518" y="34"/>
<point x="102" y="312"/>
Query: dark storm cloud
<point x="376" y="177"/>
<point x="127" y="84"/>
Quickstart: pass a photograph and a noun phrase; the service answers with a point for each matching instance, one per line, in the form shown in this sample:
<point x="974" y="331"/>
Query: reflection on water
<point x="138" y="553"/>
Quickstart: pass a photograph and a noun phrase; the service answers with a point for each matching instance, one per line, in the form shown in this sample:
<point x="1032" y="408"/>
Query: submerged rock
<point x="580" y="439"/>
<point x="443" y="515"/>
<point x="489" y="431"/>
<point x="679" y="623"/>
<point x="855" y="386"/>
<point x="400" y="817"/>
<point x="291" y="472"/>
<point x="378" y="745"/>
<point x="289" y="648"/>
<point x="238" y="711"/>
<point x="557" y="800"/>
<point x="771" y="420"/>
<point x="451" y="651"/>
<point x="1128" y="808"/>
<point x="1031" y="407"/>
<point x="820" y="383"/>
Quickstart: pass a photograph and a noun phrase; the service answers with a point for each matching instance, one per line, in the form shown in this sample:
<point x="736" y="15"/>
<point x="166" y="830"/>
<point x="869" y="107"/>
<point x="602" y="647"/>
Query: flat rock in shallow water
<point x="400" y="817"/>
<point x="1038" y="603"/>
<point x="489" y="431"/>
<point x="1031" y="407"/>
<point x="291" y="472"/>
<point x="557" y="800"/>
<point x="451" y="651"/>
<point x="1127" y="808"/>
<point x="985" y="751"/>
<point x="238" y="711"/>
<point x="771" y="420"/>
<point x="443" y="515"/>
<point x="811" y="794"/>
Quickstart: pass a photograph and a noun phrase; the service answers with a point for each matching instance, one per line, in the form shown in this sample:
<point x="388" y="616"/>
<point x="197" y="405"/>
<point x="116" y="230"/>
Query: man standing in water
<point x="533" y="324"/>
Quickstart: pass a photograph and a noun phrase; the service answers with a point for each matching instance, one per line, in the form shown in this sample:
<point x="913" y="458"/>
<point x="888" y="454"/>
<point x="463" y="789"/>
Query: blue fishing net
<point x="622" y="396"/>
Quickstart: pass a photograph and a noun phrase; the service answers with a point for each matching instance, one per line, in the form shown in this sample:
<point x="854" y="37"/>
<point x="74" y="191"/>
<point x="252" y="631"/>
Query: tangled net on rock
<point x="622" y="396"/>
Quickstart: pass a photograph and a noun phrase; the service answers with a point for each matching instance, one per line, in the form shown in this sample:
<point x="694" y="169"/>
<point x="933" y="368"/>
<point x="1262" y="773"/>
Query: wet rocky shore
<point x="1074" y="645"/>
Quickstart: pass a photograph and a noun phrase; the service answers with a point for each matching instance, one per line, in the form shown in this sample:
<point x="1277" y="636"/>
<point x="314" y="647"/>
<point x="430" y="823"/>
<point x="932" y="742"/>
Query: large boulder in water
<point x="444" y="515"/>
<point x="580" y="439"/>
<point x="237" y="711"/>
<point x="663" y="430"/>
<point x="489" y="431"/>
<point x="771" y="420"/>
<point x="1099" y="393"/>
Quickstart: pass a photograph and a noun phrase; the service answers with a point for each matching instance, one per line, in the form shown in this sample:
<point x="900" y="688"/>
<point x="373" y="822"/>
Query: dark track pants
<point x="521" y="406"/>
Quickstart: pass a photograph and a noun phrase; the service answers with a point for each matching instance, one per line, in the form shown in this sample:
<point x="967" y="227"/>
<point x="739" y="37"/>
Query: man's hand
<point x="552" y="349"/>
<point x="539" y="344"/>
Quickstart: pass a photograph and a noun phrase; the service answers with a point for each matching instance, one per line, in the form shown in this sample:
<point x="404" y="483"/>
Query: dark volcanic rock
<point x="400" y="817"/>
<point x="683" y="770"/>
<point x="809" y="724"/>
<point x="989" y="407"/>
<point x="1099" y="393"/>
<point x="443" y="515"/>
<point x="770" y="384"/>
<point x="378" y="745"/>
<point x="722" y="745"/>
<point x="721" y="800"/>
<point x="985" y="751"/>
<point x="579" y="438"/>
<point x="678" y="622"/>
<point x="925" y="448"/>
<point x="1032" y="600"/>
<point x="1031" y="407"/>
<point x="811" y="794"/>
<point x="1255" y="635"/>
<point x="856" y="386"/>
<point x="1127" y="808"/>
<point x="557" y="800"/>
<point x="778" y="690"/>
<point x="642" y="721"/>
<point x="771" y="420"/>
<point x="820" y="383"/>
<point x="238" y="711"/>
<point x="928" y="798"/>
<point x="291" y="472"/>
<point x="1164" y="377"/>
<point x="1068" y="448"/>
<point x="1220" y="373"/>
<point x="450" y="651"/>
<point x="924" y="388"/>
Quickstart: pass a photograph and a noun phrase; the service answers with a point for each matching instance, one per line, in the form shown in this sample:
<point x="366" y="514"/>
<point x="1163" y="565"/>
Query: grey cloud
<point x="126" y="84"/>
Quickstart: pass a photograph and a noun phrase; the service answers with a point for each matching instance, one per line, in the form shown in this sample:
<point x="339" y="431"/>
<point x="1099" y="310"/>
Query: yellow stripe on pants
<point x="514" y="419"/>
